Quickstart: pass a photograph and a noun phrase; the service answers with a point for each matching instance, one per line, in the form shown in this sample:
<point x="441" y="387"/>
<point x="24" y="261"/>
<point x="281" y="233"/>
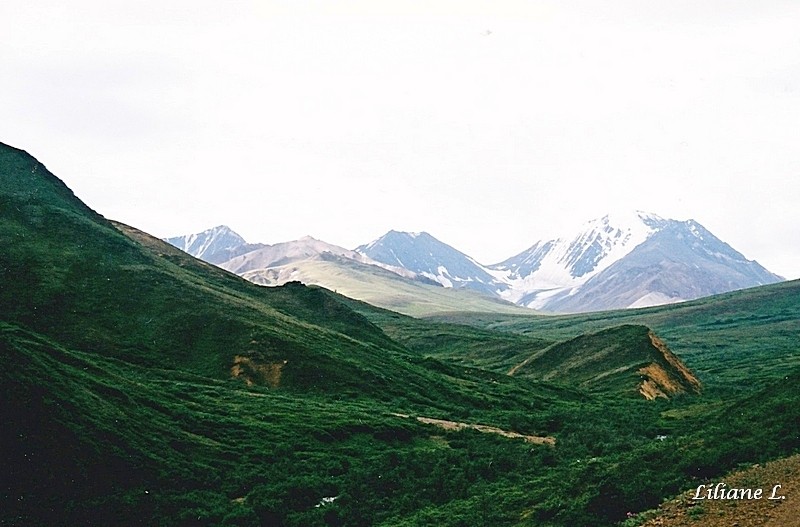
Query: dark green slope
<point x="624" y="359"/>
<point x="734" y="342"/>
<point x="126" y="370"/>
<point x="91" y="440"/>
<point x="69" y="274"/>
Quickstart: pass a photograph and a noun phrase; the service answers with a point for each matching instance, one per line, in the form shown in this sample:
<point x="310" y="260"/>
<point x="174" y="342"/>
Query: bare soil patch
<point x="687" y="512"/>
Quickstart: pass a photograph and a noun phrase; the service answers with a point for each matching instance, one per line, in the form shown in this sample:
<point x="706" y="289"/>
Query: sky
<point x="490" y="125"/>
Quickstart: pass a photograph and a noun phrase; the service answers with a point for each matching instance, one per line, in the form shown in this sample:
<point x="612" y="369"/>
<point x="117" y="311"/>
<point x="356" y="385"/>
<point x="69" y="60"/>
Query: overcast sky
<point x="488" y="124"/>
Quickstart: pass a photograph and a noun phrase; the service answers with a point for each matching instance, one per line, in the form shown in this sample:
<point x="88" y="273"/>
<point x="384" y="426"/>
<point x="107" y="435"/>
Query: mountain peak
<point x="424" y="255"/>
<point x="408" y="234"/>
<point x="214" y="245"/>
<point x="626" y="220"/>
<point x="628" y="217"/>
<point x="626" y="259"/>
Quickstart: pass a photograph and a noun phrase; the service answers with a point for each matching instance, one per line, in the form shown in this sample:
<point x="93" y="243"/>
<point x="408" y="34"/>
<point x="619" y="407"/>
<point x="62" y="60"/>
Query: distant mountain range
<point x="350" y="273"/>
<point x="617" y="261"/>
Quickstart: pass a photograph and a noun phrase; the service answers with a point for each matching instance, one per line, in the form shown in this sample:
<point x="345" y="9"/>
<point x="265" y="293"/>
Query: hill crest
<point x="629" y="359"/>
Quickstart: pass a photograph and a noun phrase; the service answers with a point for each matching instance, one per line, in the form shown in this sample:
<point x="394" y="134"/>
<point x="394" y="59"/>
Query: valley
<point x="140" y="385"/>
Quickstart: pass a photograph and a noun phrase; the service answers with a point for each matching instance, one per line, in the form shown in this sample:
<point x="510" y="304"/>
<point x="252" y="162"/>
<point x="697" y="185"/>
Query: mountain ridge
<point x="315" y="262"/>
<point x="629" y="356"/>
<point x="572" y="273"/>
<point x="622" y="260"/>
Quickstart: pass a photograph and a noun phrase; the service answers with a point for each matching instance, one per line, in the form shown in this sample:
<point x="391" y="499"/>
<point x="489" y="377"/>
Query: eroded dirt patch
<point x="454" y="425"/>
<point x="253" y="372"/>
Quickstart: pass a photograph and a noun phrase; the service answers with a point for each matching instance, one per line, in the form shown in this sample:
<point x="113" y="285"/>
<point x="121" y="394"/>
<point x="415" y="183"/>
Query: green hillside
<point x="72" y="276"/>
<point x="616" y="360"/>
<point x="623" y="359"/>
<point x="139" y="385"/>
<point x="734" y="342"/>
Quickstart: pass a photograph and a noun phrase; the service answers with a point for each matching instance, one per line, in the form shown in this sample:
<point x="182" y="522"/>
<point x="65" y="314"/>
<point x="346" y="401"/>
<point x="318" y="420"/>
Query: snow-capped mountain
<point x="560" y="266"/>
<point x="618" y="261"/>
<point x="680" y="260"/>
<point x="627" y="260"/>
<point x="425" y="255"/>
<point x="634" y="259"/>
<point x="215" y="245"/>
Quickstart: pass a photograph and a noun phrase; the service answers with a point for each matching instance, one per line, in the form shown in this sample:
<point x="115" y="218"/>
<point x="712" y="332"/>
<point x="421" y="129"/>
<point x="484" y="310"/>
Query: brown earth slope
<point x="684" y="511"/>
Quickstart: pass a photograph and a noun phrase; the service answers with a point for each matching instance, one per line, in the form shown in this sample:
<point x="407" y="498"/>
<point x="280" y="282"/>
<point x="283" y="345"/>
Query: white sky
<point x="488" y="124"/>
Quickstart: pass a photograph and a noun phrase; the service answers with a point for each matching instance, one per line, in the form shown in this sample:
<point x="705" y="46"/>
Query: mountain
<point x="215" y="245"/>
<point x="315" y="262"/>
<point x="423" y="254"/>
<point x="553" y="266"/>
<point x="628" y="260"/>
<point x="617" y="261"/>
<point x="378" y="286"/>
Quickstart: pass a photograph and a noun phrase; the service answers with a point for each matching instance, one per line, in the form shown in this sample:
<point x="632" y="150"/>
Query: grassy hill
<point x="734" y="342"/>
<point x="141" y="386"/>
<point x="627" y="359"/>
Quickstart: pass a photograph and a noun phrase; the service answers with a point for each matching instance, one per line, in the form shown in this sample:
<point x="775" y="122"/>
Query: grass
<point x="736" y="342"/>
<point x="119" y="407"/>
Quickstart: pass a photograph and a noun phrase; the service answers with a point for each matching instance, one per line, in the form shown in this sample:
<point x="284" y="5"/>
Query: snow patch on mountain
<point x="425" y="255"/>
<point x="564" y="264"/>
<point x="214" y="245"/>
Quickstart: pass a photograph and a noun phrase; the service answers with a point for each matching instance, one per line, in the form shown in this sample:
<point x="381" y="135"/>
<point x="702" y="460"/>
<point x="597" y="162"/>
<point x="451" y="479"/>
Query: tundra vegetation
<point x="139" y="385"/>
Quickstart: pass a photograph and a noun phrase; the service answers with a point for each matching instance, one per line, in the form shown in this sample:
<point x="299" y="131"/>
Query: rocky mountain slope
<point x="614" y="262"/>
<point x="684" y="511"/>
<point x="618" y="261"/>
<point x="216" y="245"/>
